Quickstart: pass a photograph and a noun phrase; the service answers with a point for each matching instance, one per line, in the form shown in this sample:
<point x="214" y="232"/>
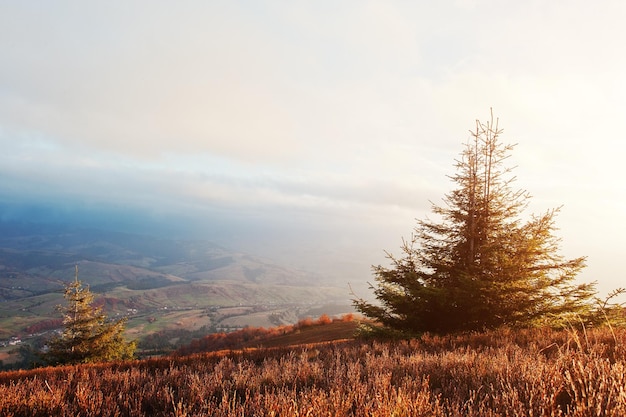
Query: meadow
<point x="539" y="372"/>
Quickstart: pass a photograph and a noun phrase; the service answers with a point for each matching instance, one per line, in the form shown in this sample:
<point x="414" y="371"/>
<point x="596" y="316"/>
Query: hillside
<point x="306" y="331"/>
<point x="537" y="372"/>
<point x="159" y="284"/>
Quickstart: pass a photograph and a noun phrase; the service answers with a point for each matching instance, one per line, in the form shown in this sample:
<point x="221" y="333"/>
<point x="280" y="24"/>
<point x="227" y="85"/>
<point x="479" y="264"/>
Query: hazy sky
<point x="314" y="132"/>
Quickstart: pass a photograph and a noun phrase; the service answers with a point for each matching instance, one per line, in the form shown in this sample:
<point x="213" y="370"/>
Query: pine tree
<point x="87" y="335"/>
<point x="479" y="266"/>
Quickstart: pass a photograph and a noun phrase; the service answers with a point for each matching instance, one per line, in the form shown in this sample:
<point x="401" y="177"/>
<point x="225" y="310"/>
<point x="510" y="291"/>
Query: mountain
<point x="158" y="283"/>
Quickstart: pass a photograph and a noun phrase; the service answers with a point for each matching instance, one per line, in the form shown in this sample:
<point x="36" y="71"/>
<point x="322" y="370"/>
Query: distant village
<point x="14" y="341"/>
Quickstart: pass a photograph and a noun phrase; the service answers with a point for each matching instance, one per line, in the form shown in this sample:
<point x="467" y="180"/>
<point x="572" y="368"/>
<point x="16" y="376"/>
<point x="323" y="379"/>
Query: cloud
<point x="299" y="84"/>
<point x="36" y="167"/>
<point x="321" y="113"/>
<point x="138" y="86"/>
<point x="222" y="79"/>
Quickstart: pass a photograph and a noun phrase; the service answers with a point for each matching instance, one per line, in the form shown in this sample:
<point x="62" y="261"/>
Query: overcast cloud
<point x="314" y="132"/>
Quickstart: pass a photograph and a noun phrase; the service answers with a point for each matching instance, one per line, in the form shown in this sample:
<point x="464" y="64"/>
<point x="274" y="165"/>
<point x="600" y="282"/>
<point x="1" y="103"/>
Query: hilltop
<point x="505" y="372"/>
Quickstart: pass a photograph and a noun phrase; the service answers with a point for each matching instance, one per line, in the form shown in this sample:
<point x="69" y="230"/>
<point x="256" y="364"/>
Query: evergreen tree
<point x="87" y="335"/>
<point x="479" y="265"/>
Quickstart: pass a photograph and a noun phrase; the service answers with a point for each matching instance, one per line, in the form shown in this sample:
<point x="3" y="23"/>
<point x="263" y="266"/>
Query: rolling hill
<point x="158" y="283"/>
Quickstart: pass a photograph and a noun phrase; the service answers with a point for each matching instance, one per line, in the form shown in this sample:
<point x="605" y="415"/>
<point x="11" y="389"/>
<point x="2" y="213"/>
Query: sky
<point x="316" y="132"/>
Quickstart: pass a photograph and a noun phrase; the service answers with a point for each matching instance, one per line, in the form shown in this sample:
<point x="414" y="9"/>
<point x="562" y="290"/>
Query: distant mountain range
<point x="159" y="283"/>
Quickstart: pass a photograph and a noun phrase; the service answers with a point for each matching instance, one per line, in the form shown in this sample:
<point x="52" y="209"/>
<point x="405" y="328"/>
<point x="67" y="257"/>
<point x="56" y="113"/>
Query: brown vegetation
<point x="307" y="330"/>
<point x="44" y="326"/>
<point x="500" y="373"/>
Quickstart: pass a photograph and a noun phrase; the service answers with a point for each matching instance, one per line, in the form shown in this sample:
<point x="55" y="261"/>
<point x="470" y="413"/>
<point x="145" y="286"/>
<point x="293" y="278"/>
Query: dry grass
<point x="502" y="373"/>
<point x="307" y="330"/>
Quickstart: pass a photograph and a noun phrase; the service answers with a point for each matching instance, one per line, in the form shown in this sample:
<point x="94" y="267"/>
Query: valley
<point x="160" y="285"/>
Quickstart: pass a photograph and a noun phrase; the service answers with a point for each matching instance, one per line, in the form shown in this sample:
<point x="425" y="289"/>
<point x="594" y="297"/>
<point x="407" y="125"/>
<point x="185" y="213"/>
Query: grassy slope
<point x="305" y="332"/>
<point x="505" y="372"/>
<point x="339" y="330"/>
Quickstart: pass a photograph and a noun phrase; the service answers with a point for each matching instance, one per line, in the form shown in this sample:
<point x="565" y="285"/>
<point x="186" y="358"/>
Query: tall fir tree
<point x="479" y="265"/>
<point x="87" y="335"/>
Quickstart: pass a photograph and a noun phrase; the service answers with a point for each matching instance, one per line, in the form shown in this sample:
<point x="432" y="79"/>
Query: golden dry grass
<point x="502" y="373"/>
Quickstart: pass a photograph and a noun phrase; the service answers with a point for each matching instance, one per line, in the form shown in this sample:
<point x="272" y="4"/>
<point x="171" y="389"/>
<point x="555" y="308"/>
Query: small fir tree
<point x="87" y="335"/>
<point x="479" y="266"/>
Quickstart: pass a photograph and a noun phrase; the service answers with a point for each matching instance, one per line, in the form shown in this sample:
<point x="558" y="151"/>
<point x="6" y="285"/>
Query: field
<point x="537" y="372"/>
